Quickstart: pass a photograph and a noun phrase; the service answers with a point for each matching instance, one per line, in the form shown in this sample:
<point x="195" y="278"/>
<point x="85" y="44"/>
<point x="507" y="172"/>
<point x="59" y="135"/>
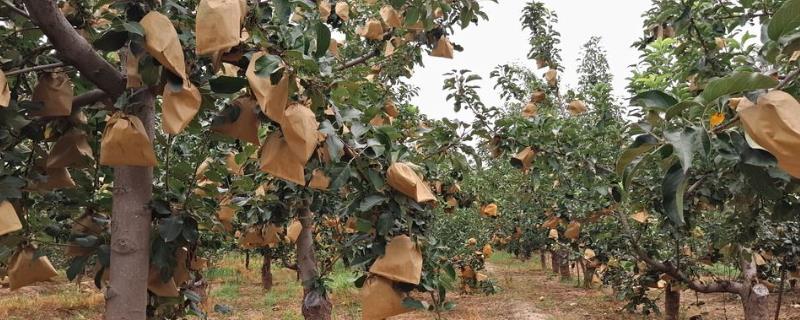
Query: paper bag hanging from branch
<point x="54" y="91"/>
<point x="576" y="107"/>
<point x="402" y="261"/>
<point x="319" y="180"/>
<point x="26" y="269"/>
<point x="161" y="288"/>
<point x="404" y="179"/>
<point x="552" y="77"/>
<point x="391" y="17"/>
<point x="343" y="10"/>
<point x="9" y="221"/>
<point x="71" y="150"/>
<point x="523" y="159"/>
<point x="54" y="178"/>
<point x="126" y="143"/>
<point x="273" y="98"/>
<point x="489" y="210"/>
<point x="181" y="273"/>
<point x="443" y="48"/>
<point x="300" y="130"/>
<point x="181" y="103"/>
<point x="276" y="159"/>
<point x="774" y="123"/>
<point x="161" y="42"/>
<point x="5" y="91"/>
<point x="530" y="110"/>
<point x="244" y="125"/>
<point x="218" y="24"/>
<point x="293" y="232"/>
<point x="372" y="30"/>
<point x="573" y="230"/>
<point x="324" y="7"/>
<point x="538" y="96"/>
<point x="553" y="234"/>
<point x="380" y="300"/>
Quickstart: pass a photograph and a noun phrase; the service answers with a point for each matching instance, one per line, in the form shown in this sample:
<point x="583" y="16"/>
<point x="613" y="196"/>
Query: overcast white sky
<point x="501" y="40"/>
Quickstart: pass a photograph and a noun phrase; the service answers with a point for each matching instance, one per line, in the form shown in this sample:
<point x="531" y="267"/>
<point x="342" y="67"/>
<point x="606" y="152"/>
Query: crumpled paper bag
<point x="372" y="30"/>
<point x="443" y="48"/>
<point x="25" y="270"/>
<point x="300" y="130"/>
<point x="273" y="98"/>
<point x="404" y="179"/>
<point x="71" y="150"/>
<point x="159" y="288"/>
<point x="134" y="79"/>
<point x="218" y="25"/>
<point x="54" y="91"/>
<point x="343" y="10"/>
<point x="181" y="103"/>
<point x="324" y="7"/>
<point x="245" y="126"/>
<point x="5" y="91"/>
<point x="54" y="178"/>
<point x="774" y="124"/>
<point x="391" y="17"/>
<point x="126" y="143"/>
<point x="319" y="180"/>
<point x="9" y="221"/>
<point x="576" y="107"/>
<point x="523" y="159"/>
<point x="380" y="300"/>
<point x="161" y="42"/>
<point x="402" y="261"/>
<point x="277" y="160"/>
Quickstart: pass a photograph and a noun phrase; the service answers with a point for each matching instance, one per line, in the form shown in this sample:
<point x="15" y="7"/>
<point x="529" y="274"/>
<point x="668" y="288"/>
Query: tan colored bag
<point x="319" y="180"/>
<point x="401" y="262"/>
<point x="333" y="48"/>
<point x="589" y="254"/>
<point x="576" y="107"/>
<point x="218" y="24"/>
<point x="553" y="234"/>
<point x="161" y="42"/>
<point x="5" y="91"/>
<point x="380" y="300"/>
<point x="181" y="104"/>
<point x="774" y="123"/>
<point x="324" y="7"/>
<point x="273" y="98"/>
<point x="523" y="159"/>
<point x="181" y="272"/>
<point x="538" y="96"/>
<point x="391" y="17"/>
<point x="640" y="216"/>
<point x="158" y="288"/>
<point x="132" y="70"/>
<point x="71" y="150"/>
<point x="54" y="91"/>
<point x="489" y="210"/>
<point x="233" y="167"/>
<point x="276" y="160"/>
<point x="530" y="110"/>
<point x="487" y="250"/>
<point x="551" y="223"/>
<point x="390" y="109"/>
<point x="55" y="178"/>
<point x="9" y="221"/>
<point x="293" y="232"/>
<point x="126" y="143"/>
<point x="372" y="30"/>
<point x="226" y="212"/>
<point x="260" y="236"/>
<point x="552" y="77"/>
<point x="24" y="270"/>
<point x="404" y="179"/>
<point x="343" y="10"/>
<point x="246" y="126"/>
<point x="573" y="230"/>
<point x="443" y="48"/>
<point x="300" y="130"/>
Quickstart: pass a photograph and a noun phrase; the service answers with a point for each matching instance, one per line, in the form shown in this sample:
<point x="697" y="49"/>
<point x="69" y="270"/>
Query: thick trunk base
<point x="314" y="306"/>
<point x="588" y="277"/>
<point x="266" y="272"/>
<point x="672" y="303"/>
<point x="755" y="302"/>
<point x="555" y="262"/>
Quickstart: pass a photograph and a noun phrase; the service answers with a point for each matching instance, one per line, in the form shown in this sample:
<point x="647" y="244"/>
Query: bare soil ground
<point x="527" y="293"/>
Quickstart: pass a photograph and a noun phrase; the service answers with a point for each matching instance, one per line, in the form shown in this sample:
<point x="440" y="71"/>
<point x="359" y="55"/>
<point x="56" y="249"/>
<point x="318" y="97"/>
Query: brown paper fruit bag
<point x="530" y="110"/>
<point x="404" y="179"/>
<point x="293" y="232"/>
<point x="233" y="167"/>
<point x="181" y="103"/>
<point x="343" y="10"/>
<point x="244" y="121"/>
<point x="25" y="270"/>
<point x="71" y="150"/>
<point x="443" y="48"/>
<point x="276" y="160"/>
<point x="523" y="159"/>
<point x="319" y="180"/>
<point x="380" y="300"/>
<point x="391" y="17"/>
<point x="553" y="234"/>
<point x="576" y="107"/>
<point x="487" y="250"/>
<point x="489" y="210"/>
<point x="160" y="288"/>
<point x="181" y="272"/>
<point x="401" y="262"/>
<point x="85" y="225"/>
<point x="218" y="24"/>
<point x="552" y="77"/>
<point x="774" y="123"/>
<point x="134" y="79"/>
<point x="300" y="130"/>
<point x="226" y="212"/>
<point x="9" y="221"/>
<point x="538" y="96"/>
<point x="5" y="91"/>
<point x="54" y="178"/>
<point x="126" y="143"/>
<point x="573" y="230"/>
<point x="551" y="222"/>
<point x="391" y="109"/>
<point x="333" y="48"/>
<point x="372" y="30"/>
<point x="273" y="98"/>
<point x="161" y="42"/>
<point x="324" y="7"/>
<point x="54" y="91"/>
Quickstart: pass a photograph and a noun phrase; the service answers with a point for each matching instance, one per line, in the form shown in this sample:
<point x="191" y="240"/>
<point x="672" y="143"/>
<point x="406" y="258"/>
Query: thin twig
<point x="359" y="60"/>
<point x="788" y="79"/>
<point x="36" y="68"/>
<point x="16" y="9"/>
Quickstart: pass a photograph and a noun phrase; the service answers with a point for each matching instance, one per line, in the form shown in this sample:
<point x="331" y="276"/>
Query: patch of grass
<point x="52" y="299"/>
<point x="222" y="273"/>
<point x="723" y="270"/>
<point x="227" y="291"/>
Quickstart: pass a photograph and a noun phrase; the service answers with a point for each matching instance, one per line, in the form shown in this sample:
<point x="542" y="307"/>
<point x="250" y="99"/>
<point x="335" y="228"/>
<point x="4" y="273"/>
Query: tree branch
<point x="35" y="68"/>
<point x="15" y="9"/>
<point x="359" y="60"/>
<point x="74" y="49"/>
<point x="88" y="98"/>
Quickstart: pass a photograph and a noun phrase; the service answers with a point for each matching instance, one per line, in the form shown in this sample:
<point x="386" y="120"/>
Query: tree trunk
<point x="564" y="265"/>
<point x="672" y="303"/>
<point x="754" y="295"/>
<point x="126" y="296"/>
<point x="315" y="305"/>
<point x="555" y="261"/>
<point x="542" y="260"/>
<point x="266" y="270"/>
<point x="588" y="275"/>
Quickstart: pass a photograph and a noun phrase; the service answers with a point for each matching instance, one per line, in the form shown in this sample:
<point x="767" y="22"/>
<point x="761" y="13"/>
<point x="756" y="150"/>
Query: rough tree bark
<point x="555" y="261"/>
<point x="542" y="259"/>
<point x="672" y="303"/>
<point x="588" y="275"/>
<point x="564" y="265"/>
<point x="266" y="270"/>
<point x="754" y="295"/>
<point x="126" y="296"/>
<point x="315" y="306"/>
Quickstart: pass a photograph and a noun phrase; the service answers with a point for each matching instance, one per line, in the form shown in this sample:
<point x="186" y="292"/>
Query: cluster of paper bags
<point x="773" y="124"/>
<point x="402" y="262"/>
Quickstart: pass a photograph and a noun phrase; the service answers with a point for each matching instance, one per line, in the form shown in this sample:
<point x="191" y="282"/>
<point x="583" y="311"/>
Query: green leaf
<point x="673" y="188"/>
<point x="133" y="27"/>
<point x="76" y="266"/>
<point x="785" y="20"/>
<point x="170" y="228"/>
<point x="679" y="107"/>
<point x="642" y="143"/>
<point x="11" y="187"/>
<point x="654" y="99"/>
<point x="341" y="179"/>
<point x="227" y="85"/>
<point x="323" y="39"/>
<point x="112" y="40"/>
<point x="684" y="143"/>
<point x="736" y="82"/>
<point x="371" y="201"/>
<point x="414" y="304"/>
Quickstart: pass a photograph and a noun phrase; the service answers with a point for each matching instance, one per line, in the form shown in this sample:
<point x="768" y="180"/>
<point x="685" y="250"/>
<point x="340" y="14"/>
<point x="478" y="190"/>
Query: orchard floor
<point x="526" y="293"/>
